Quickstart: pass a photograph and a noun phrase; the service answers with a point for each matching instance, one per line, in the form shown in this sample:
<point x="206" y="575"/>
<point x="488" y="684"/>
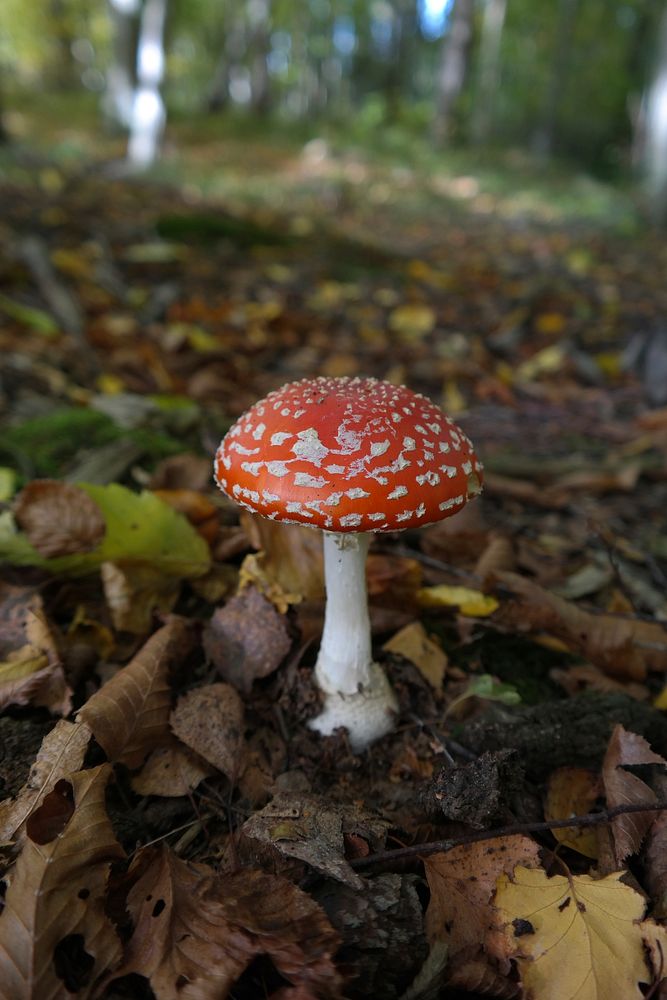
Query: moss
<point x="46" y="446"/>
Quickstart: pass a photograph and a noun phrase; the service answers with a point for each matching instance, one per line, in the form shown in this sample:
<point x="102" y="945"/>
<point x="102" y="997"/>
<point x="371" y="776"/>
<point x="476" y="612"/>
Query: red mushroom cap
<point x="348" y="454"/>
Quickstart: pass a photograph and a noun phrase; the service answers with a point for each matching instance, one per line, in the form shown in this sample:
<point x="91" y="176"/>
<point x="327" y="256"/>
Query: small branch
<point x="442" y="846"/>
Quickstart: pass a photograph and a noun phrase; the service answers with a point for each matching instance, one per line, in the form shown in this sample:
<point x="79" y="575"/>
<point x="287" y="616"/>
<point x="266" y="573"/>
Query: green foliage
<point x="45" y="446"/>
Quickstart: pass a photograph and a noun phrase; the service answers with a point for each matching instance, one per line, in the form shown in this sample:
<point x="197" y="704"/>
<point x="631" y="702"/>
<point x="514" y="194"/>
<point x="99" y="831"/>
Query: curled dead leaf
<point x="59" y="519"/>
<point x="209" y="720"/>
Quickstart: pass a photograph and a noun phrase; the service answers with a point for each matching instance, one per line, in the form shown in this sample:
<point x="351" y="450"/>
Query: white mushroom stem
<point x="357" y="693"/>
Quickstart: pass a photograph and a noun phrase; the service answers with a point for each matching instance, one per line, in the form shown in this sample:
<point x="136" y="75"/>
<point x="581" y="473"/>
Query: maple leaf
<point x="575" y="936"/>
<point x="57" y="893"/>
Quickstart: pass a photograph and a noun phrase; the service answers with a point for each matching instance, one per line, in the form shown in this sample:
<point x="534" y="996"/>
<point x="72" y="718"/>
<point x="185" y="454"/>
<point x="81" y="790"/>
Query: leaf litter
<point x="180" y="831"/>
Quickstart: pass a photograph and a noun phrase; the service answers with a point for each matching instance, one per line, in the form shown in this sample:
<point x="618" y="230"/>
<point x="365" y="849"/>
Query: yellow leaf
<point x="550" y="324"/>
<point x="411" y="322"/>
<point x="414" y="644"/>
<point x="110" y="385"/>
<point x="572" y="791"/>
<point x="544" y="362"/>
<point x="469" y="602"/>
<point x="576" y="937"/>
<point x="21" y="663"/>
<point x="453" y="400"/>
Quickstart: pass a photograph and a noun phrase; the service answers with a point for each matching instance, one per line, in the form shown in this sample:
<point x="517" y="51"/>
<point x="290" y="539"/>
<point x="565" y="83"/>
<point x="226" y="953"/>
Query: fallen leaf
<point x="572" y="791"/>
<point x="170" y="772"/>
<point x="621" y="787"/>
<point x="291" y="555"/>
<point x="576" y="936"/>
<point x="196" y="932"/>
<point x="129" y="715"/>
<point x="135" y="594"/>
<point x="621" y="647"/>
<point x="30" y="667"/>
<point x="56" y="893"/>
<point x="412" y="321"/>
<point x="209" y="720"/>
<point x="462" y="883"/>
<point x="428" y="656"/>
<point x="246" y="639"/>
<point x="468" y="601"/>
<point x="140" y="528"/>
<point x="58" y="519"/>
<point x="61" y="753"/>
<point x="311" y="829"/>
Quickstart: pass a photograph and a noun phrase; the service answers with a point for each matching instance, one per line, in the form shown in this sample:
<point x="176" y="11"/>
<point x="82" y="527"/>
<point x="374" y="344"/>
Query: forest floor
<point x="235" y="853"/>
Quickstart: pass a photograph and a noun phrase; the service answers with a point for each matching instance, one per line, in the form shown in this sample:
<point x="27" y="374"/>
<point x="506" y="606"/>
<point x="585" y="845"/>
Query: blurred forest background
<point x="508" y="85"/>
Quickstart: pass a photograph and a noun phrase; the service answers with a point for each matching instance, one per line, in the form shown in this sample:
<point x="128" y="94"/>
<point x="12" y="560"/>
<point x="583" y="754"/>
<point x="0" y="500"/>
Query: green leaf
<point x="36" y="319"/>
<point x="140" y="529"/>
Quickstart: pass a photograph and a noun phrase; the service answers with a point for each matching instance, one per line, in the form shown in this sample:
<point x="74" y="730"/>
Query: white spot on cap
<point x="227" y="462"/>
<point x="400" y="491"/>
<point x="335" y="470"/>
<point x="404" y="515"/>
<point x="299" y="413"/>
<point x="449" y="470"/>
<point x="258" y="432"/>
<point x="350" y="521"/>
<point x="252" y="467"/>
<point x="285" y="412"/>
<point x="378" y="448"/>
<point x="467" y="468"/>
<point x="432" y="478"/>
<point x="278" y="469"/>
<point x="270" y="497"/>
<point x="376" y="517"/>
<point x="280" y="437"/>
<point x="305" y="479"/>
<point x="235" y="446"/>
<point x="334" y="499"/>
<point x="409" y="443"/>
<point x="443" y="446"/>
<point x="309" y="447"/>
<point x="436" y="428"/>
<point x="421" y="510"/>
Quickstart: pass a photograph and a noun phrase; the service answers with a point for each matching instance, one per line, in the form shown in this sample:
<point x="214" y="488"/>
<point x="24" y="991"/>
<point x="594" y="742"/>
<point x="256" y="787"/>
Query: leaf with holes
<point x="54" y="907"/>
<point x="196" y="932"/>
<point x="576" y="936"/>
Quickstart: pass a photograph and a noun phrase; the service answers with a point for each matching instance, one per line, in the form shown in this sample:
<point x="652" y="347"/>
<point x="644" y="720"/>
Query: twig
<point x="437" y="846"/>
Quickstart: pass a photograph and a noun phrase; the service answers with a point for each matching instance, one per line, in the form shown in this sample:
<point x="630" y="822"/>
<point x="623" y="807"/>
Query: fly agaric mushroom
<point x="349" y="456"/>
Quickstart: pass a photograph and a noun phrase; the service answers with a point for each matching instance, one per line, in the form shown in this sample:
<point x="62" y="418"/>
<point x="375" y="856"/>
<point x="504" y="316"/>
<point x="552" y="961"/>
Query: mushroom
<point x="350" y="456"/>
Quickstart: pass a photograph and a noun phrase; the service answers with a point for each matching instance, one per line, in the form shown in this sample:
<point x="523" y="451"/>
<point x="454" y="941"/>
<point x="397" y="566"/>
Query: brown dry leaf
<point x="209" y="720"/>
<point x="427" y="654"/>
<point x="572" y="791"/>
<point x="198" y="509"/>
<point x="478" y="977"/>
<point x="497" y="556"/>
<point x="655" y="866"/>
<point x="57" y="892"/>
<point x="619" y="646"/>
<point x="576" y="937"/>
<point x="195" y="932"/>
<point x="265" y="759"/>
<point x="247" y="639"/>
<point x="59" y="519"/>
<point x="462" y="883"/>
<point x="587" y="677"/>
<point x="395" y="578"/>
<point x="291" y="555"/>
<point x="623" y="788"/>
<point x="312" y="829"/>
<point x="136" y="593"/>
<point x="61" y="753"/>
<point x="30" y="668"/>
<point x="183" y="471"/>
<point x="171" y="771"/>
<point x="129" y="715"/>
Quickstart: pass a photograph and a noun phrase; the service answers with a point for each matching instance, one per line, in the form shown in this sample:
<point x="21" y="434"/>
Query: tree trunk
<point x="121" y="74"/>
<point x="148" y="111"/>
<point x="453" y="66"/>
<point x="260" y="46"/>
<point x="545" y="137"/>
<point x="488" y="76"/>
<point x="655" y="131"/>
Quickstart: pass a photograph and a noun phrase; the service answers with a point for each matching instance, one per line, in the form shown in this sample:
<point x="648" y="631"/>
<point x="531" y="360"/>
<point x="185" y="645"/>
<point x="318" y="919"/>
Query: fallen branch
<point x="442" y="846"/>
